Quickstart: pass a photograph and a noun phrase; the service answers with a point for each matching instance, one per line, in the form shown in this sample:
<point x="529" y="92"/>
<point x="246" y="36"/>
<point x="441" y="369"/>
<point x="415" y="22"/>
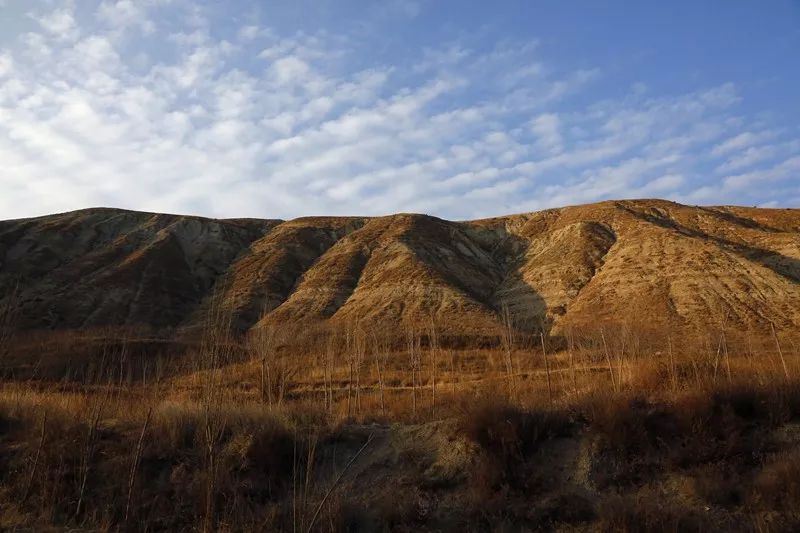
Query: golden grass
<point x="226" y="449"/>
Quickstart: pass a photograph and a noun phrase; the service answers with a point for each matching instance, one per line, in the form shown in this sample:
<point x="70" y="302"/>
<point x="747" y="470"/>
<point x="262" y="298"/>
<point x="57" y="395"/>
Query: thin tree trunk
<point x="358" y="386"/>
<point x="453" y="371"/>
<point x="36" y="459"/>
<point x="336" y="483"/>
<point x="727" y="356"/>
<point x="717" y="358"/>
<point x="137" y="458"/>
<point x="89" y="449"/>
<point x="608" y="360"/>
<point x="414" y="392"/>
<point x="672" y="373"/>
<point x="350" y="388"/>
<point x="508" y="346"/>
<point x="547" y="370"/>
<point x="570" y="348"/>
<point x="380" y="378"/>
<point x="433" y="347"/>
<point x="780" y="352"/>
<point x="328" y="382"/>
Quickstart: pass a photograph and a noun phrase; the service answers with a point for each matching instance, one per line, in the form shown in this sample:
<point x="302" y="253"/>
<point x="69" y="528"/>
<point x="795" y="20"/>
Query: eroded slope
<point x="646" y="261"/>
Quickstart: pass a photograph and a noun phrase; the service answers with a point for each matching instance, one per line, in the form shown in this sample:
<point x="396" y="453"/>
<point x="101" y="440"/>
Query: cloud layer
<point x="149" y="105"/>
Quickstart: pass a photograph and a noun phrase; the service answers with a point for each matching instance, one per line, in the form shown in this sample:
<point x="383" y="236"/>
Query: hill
<point x="647" y="261"/>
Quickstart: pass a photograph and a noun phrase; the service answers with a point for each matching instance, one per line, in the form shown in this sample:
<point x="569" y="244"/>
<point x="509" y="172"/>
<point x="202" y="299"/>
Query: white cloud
<point x="547" y="128"/>
<point x="785" y="169"/>
<point x="668" y="183"/>
<point x="290" y="69"/>
<point x="59" y="23"/>
<point x="740" y="142"/>
<point x="747" y="157"/>
<point x="123" y="14"/>
<point x="248" y="33"/>
<point x="96" y="53"/>
<point x="6" y="64"/>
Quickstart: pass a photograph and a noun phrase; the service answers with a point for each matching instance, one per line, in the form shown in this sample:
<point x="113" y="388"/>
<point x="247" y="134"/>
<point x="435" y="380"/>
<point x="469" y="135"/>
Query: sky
<point x="456" y="108"/>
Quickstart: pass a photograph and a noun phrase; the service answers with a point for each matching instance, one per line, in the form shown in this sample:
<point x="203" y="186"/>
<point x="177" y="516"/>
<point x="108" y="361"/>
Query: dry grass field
<point x="611" y="428"/>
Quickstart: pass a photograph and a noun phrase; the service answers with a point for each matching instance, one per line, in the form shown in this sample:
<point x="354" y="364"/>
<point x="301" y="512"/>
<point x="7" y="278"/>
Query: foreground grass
<point x="594" y="434"/>
<point x="726" y="458"/>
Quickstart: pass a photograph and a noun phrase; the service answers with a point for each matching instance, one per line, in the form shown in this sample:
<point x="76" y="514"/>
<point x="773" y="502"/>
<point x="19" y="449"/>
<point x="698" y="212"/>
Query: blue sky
<point x="461" y="109"/>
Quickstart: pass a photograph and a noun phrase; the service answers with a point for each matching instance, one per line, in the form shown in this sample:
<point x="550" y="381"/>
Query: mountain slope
<point x="647" y="261"/>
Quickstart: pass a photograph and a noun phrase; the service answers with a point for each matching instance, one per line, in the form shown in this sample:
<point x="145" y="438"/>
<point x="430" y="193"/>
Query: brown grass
<point x="674" y="434"/>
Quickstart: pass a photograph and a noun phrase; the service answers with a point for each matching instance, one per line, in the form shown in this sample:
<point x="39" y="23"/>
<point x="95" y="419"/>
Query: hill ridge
<point x="650" y="261"/>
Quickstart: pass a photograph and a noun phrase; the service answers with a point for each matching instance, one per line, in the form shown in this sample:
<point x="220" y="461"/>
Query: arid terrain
<point x="648" y="260"/>
<point x="620" y="366"/>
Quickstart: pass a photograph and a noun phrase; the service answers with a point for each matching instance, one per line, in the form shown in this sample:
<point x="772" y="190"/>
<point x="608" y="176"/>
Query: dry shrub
<point x="262" y="452"/>
<point x="566" y="508"/>
<point x="731" y="424"/>
<point x="507" y="469"/>
<point x="777" y="485"/>
<point x="632" y="436"/>
<point x="393" y="510"/>
<point x="264" y="464"/>
<point x="650" y="513"/>
<point x="45" y="457"/>
<point x="631" y="425"/>
<point x="349" y="514"/>
<point x="639" y="438"/>
<point x="511" y="433"/>
<point x="176" y="427"/>
<point x="720" y="484"/>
